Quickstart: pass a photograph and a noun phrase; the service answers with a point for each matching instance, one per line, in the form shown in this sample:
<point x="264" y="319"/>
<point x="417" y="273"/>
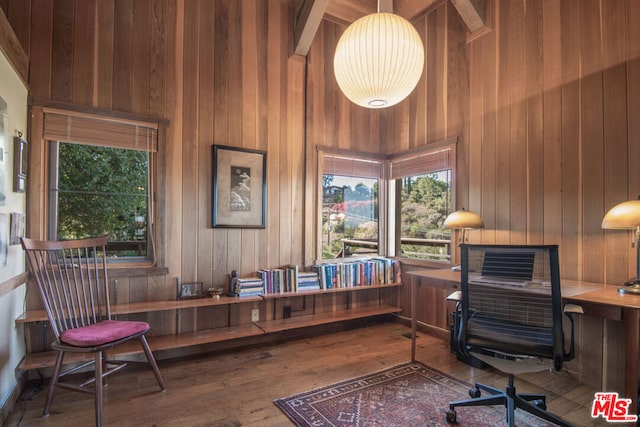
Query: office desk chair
<point x="74" y="287"/>
<point x="510" y="316"/>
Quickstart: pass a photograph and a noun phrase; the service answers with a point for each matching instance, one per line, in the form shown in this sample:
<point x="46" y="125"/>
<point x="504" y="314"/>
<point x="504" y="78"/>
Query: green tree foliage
<point x="100" y="191"/>
<point x="425" y="206"/>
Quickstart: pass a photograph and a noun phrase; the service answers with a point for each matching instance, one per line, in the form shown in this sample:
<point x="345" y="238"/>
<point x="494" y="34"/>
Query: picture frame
<point x="19" y="164"/>
<point x="239" y="187"/>
<point x="191" y="290"/>
<point x="16" y="228"/>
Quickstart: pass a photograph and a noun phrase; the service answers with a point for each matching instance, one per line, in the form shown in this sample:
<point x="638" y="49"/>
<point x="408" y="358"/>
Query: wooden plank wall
<point x="543" y="106"/>
<point x="548" y="141"/>
<point x="221" y="72"/>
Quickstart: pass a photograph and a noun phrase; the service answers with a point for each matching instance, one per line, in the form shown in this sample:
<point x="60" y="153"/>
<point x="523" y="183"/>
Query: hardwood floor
<point x="237" y="388"/>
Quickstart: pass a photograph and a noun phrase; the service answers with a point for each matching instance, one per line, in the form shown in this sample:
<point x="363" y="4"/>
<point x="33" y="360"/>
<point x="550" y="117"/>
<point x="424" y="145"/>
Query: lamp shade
<point x="463" y="219"/>
<point x="625" y="215"/>
<point x="378" y="60"/>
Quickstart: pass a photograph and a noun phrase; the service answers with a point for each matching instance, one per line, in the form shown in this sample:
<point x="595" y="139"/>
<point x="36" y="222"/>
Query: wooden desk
<point x="596" y="299"/>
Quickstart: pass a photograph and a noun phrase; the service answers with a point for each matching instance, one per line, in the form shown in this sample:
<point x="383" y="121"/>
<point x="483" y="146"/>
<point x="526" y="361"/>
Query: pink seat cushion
<point x="102" y="333"/>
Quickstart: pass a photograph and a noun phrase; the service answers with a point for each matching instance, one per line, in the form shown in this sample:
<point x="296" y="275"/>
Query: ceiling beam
<point x="346" y="11"/>
<point x="308" y="17"/>
<point x="385" y="6"/>
<point x="411" y="9"/>
<point x="308" y="14"/>
<point x="472" y="13"/>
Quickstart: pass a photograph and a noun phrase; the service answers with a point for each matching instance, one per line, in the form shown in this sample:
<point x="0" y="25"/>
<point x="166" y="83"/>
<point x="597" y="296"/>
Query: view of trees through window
<point x="425" y="204"/>
<point x="349" y="216"/>
<point x="103" y="190"/>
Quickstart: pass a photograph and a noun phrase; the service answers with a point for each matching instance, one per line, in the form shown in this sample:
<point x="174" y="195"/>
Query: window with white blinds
<point x="341" y="164"/>
<point x="421" y="162"/>
<point x="423" y="184"/>
<point x="100" y="180"/>
<point x="350" y="204"/>
<point x="414" y="189"/>
<point x="105" y="131"/>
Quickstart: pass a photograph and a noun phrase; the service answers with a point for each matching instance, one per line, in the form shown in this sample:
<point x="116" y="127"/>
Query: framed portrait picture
<point x="239" y="187"/>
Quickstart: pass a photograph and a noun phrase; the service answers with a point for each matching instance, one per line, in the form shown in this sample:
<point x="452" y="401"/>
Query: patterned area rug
<point x="410" y="394"/>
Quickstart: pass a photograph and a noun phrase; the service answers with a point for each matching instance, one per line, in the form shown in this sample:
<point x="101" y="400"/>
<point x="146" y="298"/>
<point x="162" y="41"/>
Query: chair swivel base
<point x="531" y="403"/>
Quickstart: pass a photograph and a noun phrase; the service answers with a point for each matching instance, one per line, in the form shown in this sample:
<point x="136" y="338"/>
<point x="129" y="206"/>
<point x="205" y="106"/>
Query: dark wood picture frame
<point x="19" y="164"/>
<point x="239" y="189"/>
<point x="191" y="290"/>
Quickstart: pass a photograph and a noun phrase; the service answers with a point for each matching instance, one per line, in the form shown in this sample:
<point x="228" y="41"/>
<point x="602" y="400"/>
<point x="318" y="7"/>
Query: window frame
<point x="128" y="132"/>
<point x="388" y="197"/>
<point x="357" y="165"/>
<point x="421" y="161"/>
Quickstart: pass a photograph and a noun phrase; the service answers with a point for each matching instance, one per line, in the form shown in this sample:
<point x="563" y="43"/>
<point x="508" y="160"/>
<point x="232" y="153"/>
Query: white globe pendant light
<point x="378" y="60"/>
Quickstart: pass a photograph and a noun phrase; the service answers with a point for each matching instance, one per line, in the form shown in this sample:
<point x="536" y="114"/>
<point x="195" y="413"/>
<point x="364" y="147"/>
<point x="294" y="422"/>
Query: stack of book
<point x="308" y="281"/>
<point x="246" y="286"/>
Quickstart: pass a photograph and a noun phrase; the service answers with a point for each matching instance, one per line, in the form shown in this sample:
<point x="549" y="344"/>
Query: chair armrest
<point x="456" y="296"/>
<point x="570" y="309"/>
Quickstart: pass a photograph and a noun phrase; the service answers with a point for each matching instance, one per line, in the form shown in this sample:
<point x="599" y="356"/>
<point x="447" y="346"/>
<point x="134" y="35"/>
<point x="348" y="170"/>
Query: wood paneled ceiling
<point x="309" y="13"/>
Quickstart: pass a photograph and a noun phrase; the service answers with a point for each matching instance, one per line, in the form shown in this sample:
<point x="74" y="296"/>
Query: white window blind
<point x="341" y="164"/>
<point x="104" y="131"/>
<point x="423" y="162"/>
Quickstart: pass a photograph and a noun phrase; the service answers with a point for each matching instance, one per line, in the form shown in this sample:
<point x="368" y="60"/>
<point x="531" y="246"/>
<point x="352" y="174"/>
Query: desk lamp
<point x="626" y="216"/>
<point x="463" y="220"/>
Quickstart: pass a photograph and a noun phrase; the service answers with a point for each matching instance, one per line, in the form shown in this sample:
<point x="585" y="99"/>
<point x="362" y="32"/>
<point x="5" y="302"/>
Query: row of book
<point x="288" y="279"/>
<point x="345" y="274"/>
<point x="364" y="272"/>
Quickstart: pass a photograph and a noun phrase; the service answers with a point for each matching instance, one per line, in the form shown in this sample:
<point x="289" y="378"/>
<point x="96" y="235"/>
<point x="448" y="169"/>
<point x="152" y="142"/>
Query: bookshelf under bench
<point x="340" y="304"/>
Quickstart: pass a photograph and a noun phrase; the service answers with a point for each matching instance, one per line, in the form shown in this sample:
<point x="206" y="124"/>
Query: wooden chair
<point x="73" y="283"/>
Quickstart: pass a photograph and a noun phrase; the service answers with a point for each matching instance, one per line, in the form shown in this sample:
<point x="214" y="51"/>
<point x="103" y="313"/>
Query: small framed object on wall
<point x="19" y="164"/>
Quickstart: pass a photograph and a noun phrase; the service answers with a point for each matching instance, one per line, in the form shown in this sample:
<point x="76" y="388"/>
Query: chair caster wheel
<point x="451" y="416"/>
<point x="539" y="403"/>
<point x="474" y="392"/>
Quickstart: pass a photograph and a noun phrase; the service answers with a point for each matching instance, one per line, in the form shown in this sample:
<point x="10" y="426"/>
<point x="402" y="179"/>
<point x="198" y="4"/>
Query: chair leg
<point x="53" y="382"/>
<point x="489" y="389"/>
<point x="152" y="362"/>
<point x="538" y="412"/>
<point x="531" y="397"/>
<point x="511" y="411"/>
<point x="105" y="368"/>
<point x="491" y="400"/>
<point x="98" y="386"/>
<point x="511" y="400"/>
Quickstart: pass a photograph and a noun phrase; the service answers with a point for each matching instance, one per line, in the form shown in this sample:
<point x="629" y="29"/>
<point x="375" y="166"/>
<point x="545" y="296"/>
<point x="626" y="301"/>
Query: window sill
<point x="136" y="270"/>
<point x="424" y="263"/>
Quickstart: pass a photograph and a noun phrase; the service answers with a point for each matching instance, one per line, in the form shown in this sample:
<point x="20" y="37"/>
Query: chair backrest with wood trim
<point x="72" y="280"/>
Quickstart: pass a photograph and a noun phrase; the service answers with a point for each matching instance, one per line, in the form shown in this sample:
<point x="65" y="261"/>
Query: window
<point x="100" y="182"/>
<point x="423" y="186"/>
<point x="350" y="206"/>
